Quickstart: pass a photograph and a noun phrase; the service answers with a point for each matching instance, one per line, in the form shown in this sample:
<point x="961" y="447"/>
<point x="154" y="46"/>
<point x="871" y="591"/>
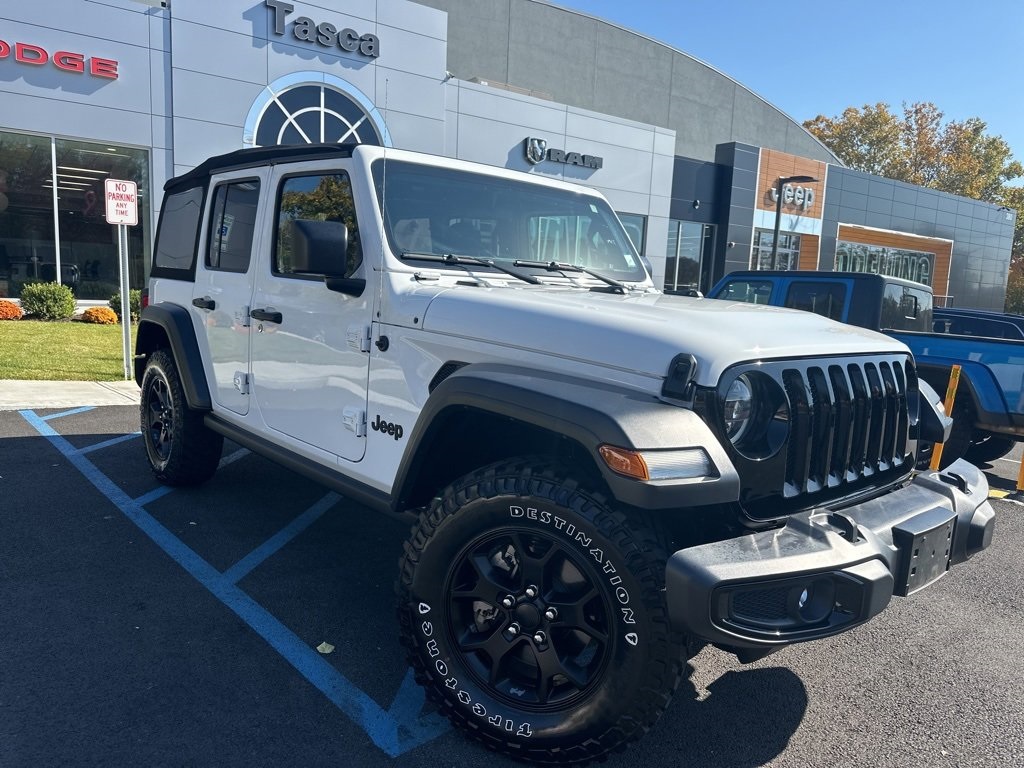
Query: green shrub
<point x="48" y="301"/>
<point x="134" y="304"/>
<point x="95" y="289"/>
<point x="100" y="316"/>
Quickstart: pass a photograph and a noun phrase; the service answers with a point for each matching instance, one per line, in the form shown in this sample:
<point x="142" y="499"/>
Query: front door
<point x="310" y="345"/>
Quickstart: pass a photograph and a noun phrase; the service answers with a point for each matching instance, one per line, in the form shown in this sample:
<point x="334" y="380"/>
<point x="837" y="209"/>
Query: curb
<point x="16" y="395"/>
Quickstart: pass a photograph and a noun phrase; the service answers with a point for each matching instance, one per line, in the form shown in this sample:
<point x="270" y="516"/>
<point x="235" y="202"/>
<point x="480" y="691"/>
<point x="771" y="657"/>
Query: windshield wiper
<point x="557" y="266"/>
<point x="462" y="261"/>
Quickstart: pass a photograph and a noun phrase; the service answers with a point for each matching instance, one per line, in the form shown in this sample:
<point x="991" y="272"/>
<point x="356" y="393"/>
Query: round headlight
<point x="738" y="407"/>
<point x="755" y="414"/>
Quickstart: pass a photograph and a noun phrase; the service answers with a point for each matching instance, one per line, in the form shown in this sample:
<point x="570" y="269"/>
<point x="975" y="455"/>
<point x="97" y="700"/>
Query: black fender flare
<point x="176" y="325"/>
<point x="591" y="413"/>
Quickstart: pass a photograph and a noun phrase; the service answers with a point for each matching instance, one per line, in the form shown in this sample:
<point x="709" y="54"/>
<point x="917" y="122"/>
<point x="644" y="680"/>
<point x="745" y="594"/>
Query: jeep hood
<point x="643" y="332"/>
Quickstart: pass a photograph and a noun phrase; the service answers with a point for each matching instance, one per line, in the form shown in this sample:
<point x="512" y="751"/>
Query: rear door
<point x="224" y="283"/>
<point x="310" y="345"/>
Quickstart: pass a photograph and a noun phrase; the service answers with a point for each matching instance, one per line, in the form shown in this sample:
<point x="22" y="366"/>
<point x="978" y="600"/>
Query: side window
<point x="906" y="309"/>
<point x="750" y="291"/>
<point x="317" y="197"/>
<point x="232" y="224"/>
<point x="821" y="298"/>
<point x="175" y="252"/>
<point x="992" y="329"/>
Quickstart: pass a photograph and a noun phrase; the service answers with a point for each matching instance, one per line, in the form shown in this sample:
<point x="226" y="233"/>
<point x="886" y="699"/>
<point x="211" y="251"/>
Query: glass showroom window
<point x="52" y="224"/>
<point x="880" y="260"/>
<point x="689" y="245"/>
<point x="788" y="256"/>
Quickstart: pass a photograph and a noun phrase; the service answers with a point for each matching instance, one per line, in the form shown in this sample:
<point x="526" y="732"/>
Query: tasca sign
<point x="324" y="33"/>
<point x="122" y="202"/>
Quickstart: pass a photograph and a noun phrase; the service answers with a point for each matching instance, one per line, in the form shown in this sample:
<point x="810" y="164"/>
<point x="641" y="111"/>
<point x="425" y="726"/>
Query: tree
<point x="957" y="157"/>
<point x="1013" y="197"/>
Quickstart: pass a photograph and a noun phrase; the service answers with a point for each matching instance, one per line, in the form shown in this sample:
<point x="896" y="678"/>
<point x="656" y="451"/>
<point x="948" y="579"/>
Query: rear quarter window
<point x="177" y="234"/>
<point x="826" y="299"/>
<point x="749" y="291"/>
<point x="906" y="309"/>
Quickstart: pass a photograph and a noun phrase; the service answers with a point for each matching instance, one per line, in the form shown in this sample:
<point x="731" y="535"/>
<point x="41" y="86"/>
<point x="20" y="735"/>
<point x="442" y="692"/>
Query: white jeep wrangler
<point x="602" y="478"/>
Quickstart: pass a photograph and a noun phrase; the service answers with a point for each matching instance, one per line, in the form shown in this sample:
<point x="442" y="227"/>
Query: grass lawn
<point x="61" y="351"/>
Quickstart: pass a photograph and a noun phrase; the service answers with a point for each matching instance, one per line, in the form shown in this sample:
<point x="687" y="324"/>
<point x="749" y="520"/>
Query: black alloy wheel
<point x="527" y="618"/>
<point x="158" y="418"/>
<point x="180" y="448"/>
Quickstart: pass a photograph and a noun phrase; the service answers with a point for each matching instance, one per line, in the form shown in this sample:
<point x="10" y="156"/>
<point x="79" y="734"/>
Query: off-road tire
<point x="990" y="448"/>
<point x="609" y="662"/>
<point x="180" y="448"/>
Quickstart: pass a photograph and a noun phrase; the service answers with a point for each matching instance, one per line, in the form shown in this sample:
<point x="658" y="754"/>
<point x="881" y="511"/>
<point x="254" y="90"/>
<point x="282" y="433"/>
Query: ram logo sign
<point x="537" y="151"/>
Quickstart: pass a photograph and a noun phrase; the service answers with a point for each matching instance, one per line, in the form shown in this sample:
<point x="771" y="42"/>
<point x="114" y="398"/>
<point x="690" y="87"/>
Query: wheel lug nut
<point x="508" y="601"/>
<point x="539" y="638"/>
<point x="550" y="614"/>
<point x="513" y="629"/>
<point x="531" y="591"/>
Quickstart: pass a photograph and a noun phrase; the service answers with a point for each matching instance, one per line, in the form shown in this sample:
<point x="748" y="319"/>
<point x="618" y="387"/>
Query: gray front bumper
<point x="826" y="572"/>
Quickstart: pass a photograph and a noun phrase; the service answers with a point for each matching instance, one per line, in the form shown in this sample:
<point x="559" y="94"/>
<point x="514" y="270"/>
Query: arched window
<point x="311" y="108"/>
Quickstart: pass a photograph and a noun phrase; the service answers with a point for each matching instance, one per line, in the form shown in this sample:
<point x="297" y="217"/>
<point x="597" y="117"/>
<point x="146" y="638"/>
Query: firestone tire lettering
<point x="632" y="671"/>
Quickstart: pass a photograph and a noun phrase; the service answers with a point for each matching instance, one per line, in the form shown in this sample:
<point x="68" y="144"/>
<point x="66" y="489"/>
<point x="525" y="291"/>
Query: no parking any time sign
<point x="122" y="202"/>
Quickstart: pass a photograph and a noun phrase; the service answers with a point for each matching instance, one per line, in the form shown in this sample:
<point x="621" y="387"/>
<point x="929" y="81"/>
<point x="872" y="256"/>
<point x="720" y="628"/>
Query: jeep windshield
<point x="431" y="211"/>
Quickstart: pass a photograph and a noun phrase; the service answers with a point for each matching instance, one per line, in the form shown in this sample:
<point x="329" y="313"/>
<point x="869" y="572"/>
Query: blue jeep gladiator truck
<point x="989" y="408"/>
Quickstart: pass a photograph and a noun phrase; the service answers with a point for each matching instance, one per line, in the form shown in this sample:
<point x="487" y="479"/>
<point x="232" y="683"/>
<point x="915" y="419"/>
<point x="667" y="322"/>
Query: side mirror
<point x="318" y="247"/>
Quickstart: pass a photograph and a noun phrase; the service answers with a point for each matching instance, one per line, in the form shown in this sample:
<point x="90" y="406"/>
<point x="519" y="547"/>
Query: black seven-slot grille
<point x="851" y="423"/>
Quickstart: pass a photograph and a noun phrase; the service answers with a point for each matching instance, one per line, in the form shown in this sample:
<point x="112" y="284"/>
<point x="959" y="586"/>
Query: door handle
<point x="204" y="303"/>
<point x="265" y="315"/>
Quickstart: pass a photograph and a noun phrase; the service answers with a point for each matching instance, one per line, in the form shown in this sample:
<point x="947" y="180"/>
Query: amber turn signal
<point x="624" y="462"/>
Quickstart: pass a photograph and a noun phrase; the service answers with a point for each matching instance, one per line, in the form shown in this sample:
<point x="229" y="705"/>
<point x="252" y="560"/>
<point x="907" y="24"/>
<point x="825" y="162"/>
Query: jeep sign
<point x="801" y="196"/>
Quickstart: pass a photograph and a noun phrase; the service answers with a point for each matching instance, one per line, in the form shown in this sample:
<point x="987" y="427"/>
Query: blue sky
<point x="965" y="57"/>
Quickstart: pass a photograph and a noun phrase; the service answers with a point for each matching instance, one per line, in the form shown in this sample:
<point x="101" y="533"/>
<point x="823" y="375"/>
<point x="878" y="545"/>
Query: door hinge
<point x="241" y="382"/>
<point x="354" y="420"/>
<point x="241" y="317"/>
<point x="359" y="337"/>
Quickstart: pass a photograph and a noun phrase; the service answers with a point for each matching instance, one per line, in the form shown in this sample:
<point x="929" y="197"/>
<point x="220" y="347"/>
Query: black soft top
<point x="250" y="158"/>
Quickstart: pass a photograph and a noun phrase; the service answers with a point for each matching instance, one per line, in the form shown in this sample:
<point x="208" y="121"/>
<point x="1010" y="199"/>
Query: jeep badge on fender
<point x="388" y="428"/>
<point x="605" y="479"/>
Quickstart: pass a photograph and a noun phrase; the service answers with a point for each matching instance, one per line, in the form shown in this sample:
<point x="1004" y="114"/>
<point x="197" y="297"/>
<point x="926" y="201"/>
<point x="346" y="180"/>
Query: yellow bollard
<point x="1020" y="478"/>
<point x="954" y="382"/>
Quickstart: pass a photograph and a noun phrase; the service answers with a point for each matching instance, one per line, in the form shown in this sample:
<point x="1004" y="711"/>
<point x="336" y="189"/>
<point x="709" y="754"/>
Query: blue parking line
<point x="395" y="730"/>
<point x="108" y="443"/>
<point x="151" y="496"/>
<point x="72" y="412"/>
<point x="237" y="572"/>
<point x="163" y="490"/>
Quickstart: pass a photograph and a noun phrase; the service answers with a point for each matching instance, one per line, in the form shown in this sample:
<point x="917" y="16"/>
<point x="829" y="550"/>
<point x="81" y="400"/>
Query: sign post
<point x="122" y="208"/>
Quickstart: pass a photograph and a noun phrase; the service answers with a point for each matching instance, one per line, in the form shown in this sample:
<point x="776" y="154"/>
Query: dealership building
<point x="142" y="90"/>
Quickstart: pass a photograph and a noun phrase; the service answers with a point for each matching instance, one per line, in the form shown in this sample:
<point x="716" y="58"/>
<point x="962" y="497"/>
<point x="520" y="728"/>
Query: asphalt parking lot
<point x="144" y="626"/>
